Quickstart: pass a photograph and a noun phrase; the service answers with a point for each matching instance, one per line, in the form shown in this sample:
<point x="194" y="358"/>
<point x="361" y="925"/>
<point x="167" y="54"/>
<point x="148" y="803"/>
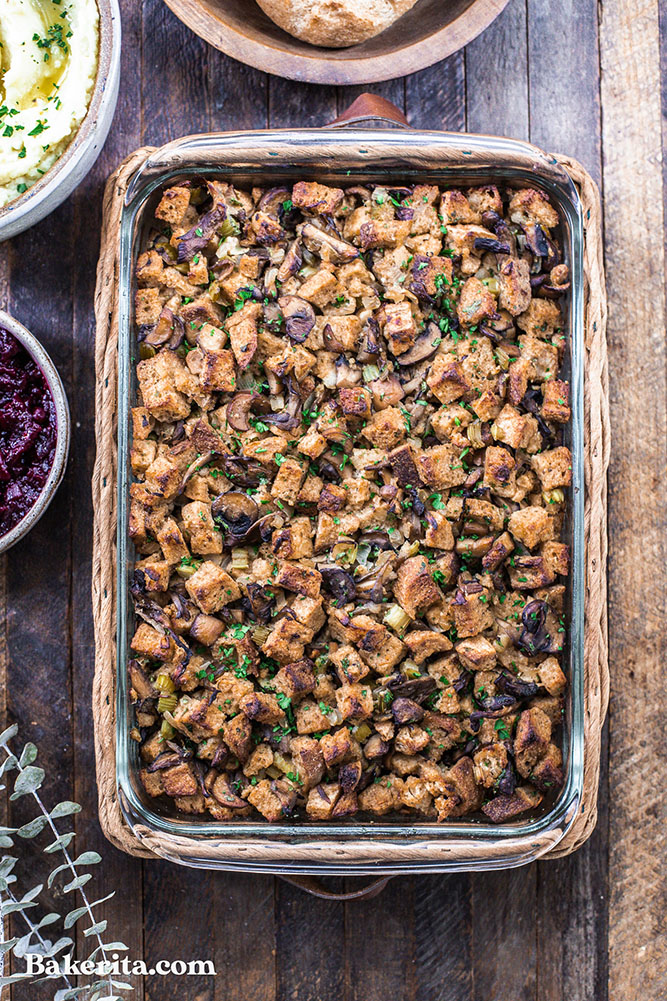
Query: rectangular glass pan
<point x="344" y="158"/>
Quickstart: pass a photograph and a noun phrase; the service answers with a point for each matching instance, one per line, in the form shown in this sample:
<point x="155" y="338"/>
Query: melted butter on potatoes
<point x="48" y="64"/>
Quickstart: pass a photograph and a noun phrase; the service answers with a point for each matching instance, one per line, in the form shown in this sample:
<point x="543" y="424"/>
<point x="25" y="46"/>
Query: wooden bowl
<point x="430" y="31"/>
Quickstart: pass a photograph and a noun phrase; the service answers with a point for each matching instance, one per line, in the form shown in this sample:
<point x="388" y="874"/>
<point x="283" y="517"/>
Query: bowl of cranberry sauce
<point x="34" y="431"/>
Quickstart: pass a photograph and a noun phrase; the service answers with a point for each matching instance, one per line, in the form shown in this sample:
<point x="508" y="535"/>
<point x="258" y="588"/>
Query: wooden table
<point x="573" y="77"/>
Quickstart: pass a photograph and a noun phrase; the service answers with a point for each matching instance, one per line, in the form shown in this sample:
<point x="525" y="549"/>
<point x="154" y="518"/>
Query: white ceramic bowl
<point x="37" y="352"/>
<point x="70" y="169"/>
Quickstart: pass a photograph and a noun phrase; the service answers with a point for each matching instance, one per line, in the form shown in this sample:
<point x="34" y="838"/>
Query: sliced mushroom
<point x="237" y="512"/>
<point x="291" y="263"/>
<point x="425" y="346"/>
<point x="299" y="317"/>
<point x="238" y="411"/>
<point x="340" y="584"/>
<point x="328" y="247"/>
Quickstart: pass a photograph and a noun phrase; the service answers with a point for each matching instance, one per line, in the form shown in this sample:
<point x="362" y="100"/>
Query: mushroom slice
<point x="291" y="263"/>
<point x="327" y="246"/>
<point x="237" y="512"/>
<point x="424" y="347"/>
<point x="238" y="411"/>
<point x="299" y="317"/>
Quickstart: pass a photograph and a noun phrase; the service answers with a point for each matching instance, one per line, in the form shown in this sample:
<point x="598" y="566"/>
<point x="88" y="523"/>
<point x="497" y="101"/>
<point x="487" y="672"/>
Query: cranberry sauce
<point x="28" y="427"/>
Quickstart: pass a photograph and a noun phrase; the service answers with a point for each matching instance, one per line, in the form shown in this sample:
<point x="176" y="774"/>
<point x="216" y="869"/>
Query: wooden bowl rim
<point x="322" y="68"/>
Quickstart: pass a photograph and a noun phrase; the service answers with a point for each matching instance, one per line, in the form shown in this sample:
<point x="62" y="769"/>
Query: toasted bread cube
<point x="172" y="542"/>
<point x="475" y="303"/>
<point x="142" y="423"/>
<point x="355" y="402"/>
<point x="156" y="380"/>
<point x="205" y="537"/>
<point x="350" y="668"/>
<point x="415" y="590"/>
<point x="148" y="642"/>
<point x="489" y="763"/>
<point x="556" y="557"/>
<point x="381" y="797"/>
<point x="332" y="498"/>
<point x="265" y="450"/>
<point x="147" y="307"/>
<point x="472" y="615"/>
<point x="441" y="467"/>
<point x="173" y="205"/>
<point x="287" y="641"/>
<point x="212" y="588"/>
<point x="297" y="679"/>
<point x="309" y="612"/>
<point x="294" y="541"/>
<point x="355" y="702"/>
<point x="312" y="444"/>
<point x="386" y="429"/>
<point x="551" y="676"/>
<point x="317" y="198"/>
<point x="446" y="379"/>
<point x="141" y="455"/>
<point x="300" y="579"/>
<point x="531" y="740"/>
<point x="476" y="653"/>
<point x="400" y="329"/>
<point x="554" y="467"/>
<point x="156" y="573"/>
<point x="512" y="428"/>
<point x="555" y="403"/>
<point x="218" y="372"/>
<point x="322" y="800"/>
<point x="438" y="532"/>
<point x="262" y="707"/>
<point x="311" y="717"/>
<point x="287" y="483"/>
<point x="320" y="288"/>
<point x="499" y="467"/>
<point x="531" y="525"/>
<point x="528" y="572"/>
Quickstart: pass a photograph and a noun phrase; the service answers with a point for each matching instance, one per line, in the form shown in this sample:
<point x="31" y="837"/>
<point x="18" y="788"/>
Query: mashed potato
<point x="48" y="64"/>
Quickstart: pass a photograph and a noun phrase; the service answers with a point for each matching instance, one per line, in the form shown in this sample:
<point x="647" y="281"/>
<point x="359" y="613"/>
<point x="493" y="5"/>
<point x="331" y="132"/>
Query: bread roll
<point x="335" y="23"/>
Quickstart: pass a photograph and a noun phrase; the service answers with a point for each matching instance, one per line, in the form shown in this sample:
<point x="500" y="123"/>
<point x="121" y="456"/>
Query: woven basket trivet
<point x="596" y="436"/>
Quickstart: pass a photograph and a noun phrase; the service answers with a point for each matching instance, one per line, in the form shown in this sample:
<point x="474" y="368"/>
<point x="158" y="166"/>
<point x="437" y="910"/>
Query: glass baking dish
<point x="346" y="157"/>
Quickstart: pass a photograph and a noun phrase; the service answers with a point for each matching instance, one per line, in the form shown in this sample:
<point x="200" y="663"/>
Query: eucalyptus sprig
<point x="28" y="782"/>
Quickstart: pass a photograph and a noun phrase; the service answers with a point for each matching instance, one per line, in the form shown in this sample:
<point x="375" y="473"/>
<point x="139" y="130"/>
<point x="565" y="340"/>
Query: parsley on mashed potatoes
<point x="48" y="63"/>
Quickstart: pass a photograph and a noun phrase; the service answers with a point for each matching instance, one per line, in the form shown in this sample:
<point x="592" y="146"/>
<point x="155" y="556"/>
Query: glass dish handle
<point x="371" y="108"/>
<point x="312" y="885"/>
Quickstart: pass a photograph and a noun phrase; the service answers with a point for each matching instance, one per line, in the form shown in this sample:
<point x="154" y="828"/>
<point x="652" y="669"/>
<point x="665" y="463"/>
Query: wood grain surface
<point x="584" y="81"/>
<point x="428" y="32"/>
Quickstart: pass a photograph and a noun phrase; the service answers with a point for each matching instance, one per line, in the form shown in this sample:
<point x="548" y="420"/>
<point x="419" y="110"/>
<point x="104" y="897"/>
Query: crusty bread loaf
<point x="335" y="23"/>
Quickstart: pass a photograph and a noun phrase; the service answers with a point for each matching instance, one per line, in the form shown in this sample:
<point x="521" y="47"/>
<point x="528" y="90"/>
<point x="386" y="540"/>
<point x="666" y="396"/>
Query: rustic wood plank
<point x="179" y="924"/>
<point x="504" y="938"/>
<point x="635" y="260"/>
<point x="300" y="104"/>
<point x="497" y="78"/>
<point x="565" y="112"/>
<point x="380" y="944"/>
<point x="238" y="94"/>
<point x="443" y="938"/>
<point x="435" y="98"/>
<point x="309" y="937"/>
<point x="245" y="946"/>
<point x="175" y="96"/>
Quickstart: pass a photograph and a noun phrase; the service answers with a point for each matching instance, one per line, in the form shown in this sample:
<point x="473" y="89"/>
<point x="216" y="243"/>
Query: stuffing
<point x="348" y="485"/>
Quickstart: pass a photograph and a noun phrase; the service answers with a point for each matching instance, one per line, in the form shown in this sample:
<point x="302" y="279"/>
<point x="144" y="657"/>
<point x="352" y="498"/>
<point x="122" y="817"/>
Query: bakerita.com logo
<point x="39" y="966"/>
